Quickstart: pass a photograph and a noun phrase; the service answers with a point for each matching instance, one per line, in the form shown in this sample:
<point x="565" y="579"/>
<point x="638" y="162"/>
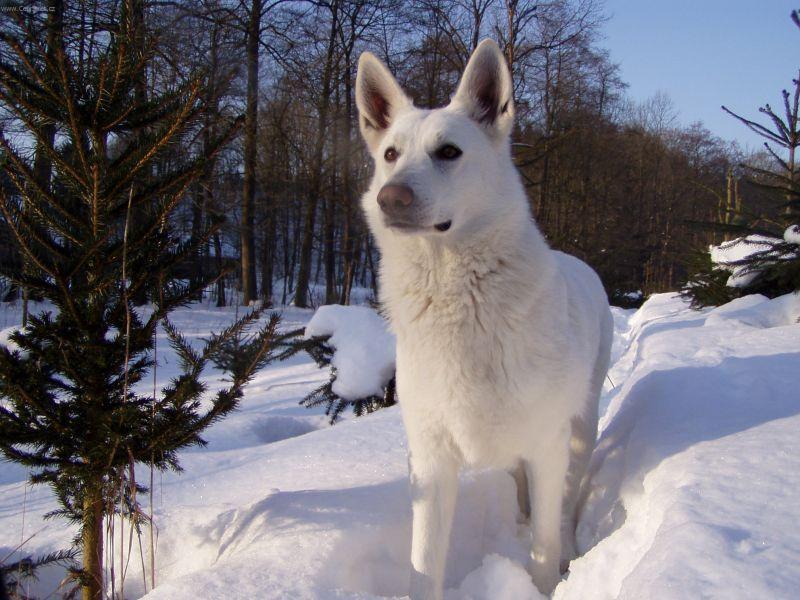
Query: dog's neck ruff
<point x="458" y="283"/>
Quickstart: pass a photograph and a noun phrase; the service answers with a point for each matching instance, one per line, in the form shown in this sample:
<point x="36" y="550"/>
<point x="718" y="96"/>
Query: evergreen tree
<point x="767" y="258"/>
<point x="94" y="230"/>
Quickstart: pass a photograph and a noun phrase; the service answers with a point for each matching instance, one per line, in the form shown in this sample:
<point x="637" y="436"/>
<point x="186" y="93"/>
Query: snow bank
<point x="364" y="349"/>
<point x="498" y="578"/>
<point x="693" y="489"/>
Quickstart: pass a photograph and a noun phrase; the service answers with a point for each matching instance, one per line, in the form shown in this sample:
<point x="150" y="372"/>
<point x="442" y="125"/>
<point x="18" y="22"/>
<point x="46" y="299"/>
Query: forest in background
<point x="623" y="185"/>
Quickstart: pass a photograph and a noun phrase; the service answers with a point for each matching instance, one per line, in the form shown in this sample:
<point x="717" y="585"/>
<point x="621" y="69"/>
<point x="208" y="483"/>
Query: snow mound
<point x="364" y="354"/>
<point x="756" y="310"/>
<point x="498" y="578"/>
<point x="694" y="477"/>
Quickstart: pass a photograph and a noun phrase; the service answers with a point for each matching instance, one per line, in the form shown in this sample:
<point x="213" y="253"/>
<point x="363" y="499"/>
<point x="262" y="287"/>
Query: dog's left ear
<point x="486" y="92"/>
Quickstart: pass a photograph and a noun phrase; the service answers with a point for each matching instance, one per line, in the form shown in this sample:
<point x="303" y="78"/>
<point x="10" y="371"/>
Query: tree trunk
<point x="220" y="266"/>
<point x="304" y="270"/>
<point x="198" y="218"/>
<point x="347" y="234"/>
<point x="204" y="201"/>
<point x="92" y="546"/>
<point x="267" y="257"/>
<point x="249" y="290"/>
<point x="329" y="234"/>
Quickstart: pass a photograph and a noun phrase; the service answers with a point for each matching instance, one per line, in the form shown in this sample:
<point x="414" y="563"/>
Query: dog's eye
<point x="448" y="152"/>
<point x="390" y="155"/>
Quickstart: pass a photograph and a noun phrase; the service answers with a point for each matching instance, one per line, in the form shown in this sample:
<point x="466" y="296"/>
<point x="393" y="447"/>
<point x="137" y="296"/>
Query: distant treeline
<point x="618" y="183"/>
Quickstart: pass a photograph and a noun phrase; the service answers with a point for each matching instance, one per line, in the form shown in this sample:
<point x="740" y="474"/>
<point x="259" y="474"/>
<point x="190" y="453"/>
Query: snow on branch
<point x="356" y="343"/>
<point x="745" y="257"/>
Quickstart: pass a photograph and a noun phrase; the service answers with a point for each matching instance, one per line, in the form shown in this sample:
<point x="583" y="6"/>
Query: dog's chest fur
<point x="469" y="331"/>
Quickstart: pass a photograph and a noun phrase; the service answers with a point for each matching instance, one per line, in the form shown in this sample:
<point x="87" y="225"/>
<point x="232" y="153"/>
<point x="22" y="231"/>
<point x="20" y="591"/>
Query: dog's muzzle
<point x="401" y="211"/>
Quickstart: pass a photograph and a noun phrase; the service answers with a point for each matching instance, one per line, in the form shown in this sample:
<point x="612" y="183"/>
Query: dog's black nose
<point x="394" y="198"/>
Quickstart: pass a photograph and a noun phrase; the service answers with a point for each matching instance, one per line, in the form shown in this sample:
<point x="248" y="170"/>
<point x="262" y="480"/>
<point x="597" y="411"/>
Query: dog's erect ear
<point x="378" y="97"/>
<point x="486" y="92"/>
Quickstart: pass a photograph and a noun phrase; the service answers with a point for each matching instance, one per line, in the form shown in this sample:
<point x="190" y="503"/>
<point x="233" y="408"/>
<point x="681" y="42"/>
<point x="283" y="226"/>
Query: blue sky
<point x="705" y="53"/>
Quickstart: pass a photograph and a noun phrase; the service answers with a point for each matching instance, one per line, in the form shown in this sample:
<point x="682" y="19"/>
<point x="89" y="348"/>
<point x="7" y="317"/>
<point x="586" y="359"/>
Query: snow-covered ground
<point x="694" y="484"/>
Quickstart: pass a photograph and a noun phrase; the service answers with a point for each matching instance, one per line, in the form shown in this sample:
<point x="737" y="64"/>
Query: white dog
<point x="502" y="343"/>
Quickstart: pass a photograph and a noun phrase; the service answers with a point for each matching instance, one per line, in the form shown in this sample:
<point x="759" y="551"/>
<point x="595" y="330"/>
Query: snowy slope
<point x="694" y="489"/>
<point x="695" y="480"/>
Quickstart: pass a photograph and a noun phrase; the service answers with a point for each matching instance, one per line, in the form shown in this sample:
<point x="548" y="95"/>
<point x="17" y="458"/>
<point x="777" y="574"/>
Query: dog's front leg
<point x="434" y="485"/>
<point x="547" y="472"/>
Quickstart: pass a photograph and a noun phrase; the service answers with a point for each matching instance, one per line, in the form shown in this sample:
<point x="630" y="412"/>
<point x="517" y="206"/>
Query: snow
<point x="693" y="490"/>
<point x="364" y="349"/>
<point x="498" y="578"/>
<point x="697" y="463"/>
<point x="792" y="234"/>
<point x="741" y="248"/>
<point x="5" y="339"/>
<point x="727" y="254"/>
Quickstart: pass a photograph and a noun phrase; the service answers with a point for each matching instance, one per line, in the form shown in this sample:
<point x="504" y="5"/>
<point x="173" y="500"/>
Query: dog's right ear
<point x="378" y="98"/>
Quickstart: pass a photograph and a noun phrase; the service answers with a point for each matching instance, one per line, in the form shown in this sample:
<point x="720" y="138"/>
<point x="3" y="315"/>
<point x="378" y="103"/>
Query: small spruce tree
<point x="94" y="230"/>
<point x="772" y="267"/>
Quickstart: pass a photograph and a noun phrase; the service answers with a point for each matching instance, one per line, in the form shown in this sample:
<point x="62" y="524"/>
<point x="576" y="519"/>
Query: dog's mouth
<point x="404" y="226"/>
<point x="443" y="226"/>
<point x="416" y="228"/>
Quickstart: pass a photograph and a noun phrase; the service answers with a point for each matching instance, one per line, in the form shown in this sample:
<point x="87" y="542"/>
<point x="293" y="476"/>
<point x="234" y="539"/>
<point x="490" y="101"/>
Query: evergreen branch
<point x="34" y="130"/>
<point x="90" y="252"/>
<point x="21" y="240"/>
<point x="24" y="93"/>
<point x="179" y="178"/>
<point x="41" y="84"/>
<point x="264" y="343"/>
<point x="28" y="566"/>
<point x="72" y="111"/>
<point x="138" y="116"/>
<point x="171" y="130"/>
<point x="162" y="308"/>
<point x="190" y="359"/>
<point x="102" y="70"/>
<point x="215" y="344"/>
<point x="769" y="175"/>
<point x="757" y="128"/>
<point x="788" y="112"/>
<point x="23" y="221"/>
<point x="183" y="251"/>
<point x="777" y="158"/>
<point x="780" y="126"/>
<point x="121" y="54"/>
<point x="795" y="110"/>
<point x="22" y="166"/>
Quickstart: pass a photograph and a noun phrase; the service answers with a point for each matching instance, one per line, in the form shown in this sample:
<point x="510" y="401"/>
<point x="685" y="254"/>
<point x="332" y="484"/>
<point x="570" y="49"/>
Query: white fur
<point x="502" y="343"/>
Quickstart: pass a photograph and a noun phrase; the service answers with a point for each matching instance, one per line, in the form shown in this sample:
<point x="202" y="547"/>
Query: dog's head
<point x="435" y="170"/>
